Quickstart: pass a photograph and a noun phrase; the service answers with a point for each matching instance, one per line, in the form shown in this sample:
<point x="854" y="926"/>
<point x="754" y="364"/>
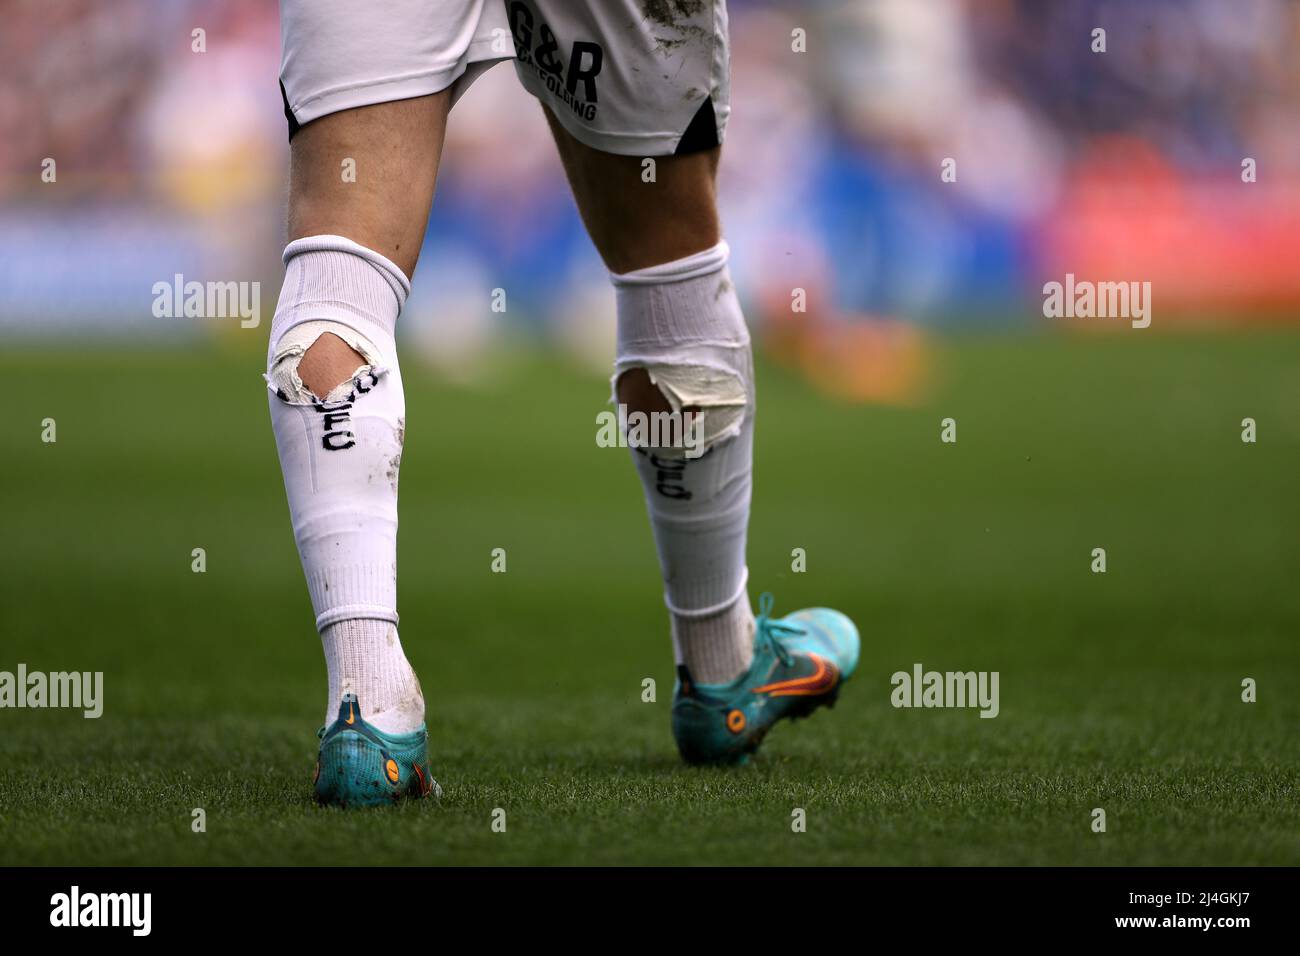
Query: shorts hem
<point x="621" y="143"/>
<point x="384" y="90"/>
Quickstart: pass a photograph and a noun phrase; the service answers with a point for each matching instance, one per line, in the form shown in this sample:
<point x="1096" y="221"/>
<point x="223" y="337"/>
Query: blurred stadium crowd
<point x="1123" y="165"/>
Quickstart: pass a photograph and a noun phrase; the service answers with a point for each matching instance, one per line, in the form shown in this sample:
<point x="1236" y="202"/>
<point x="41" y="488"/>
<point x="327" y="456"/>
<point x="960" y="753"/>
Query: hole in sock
<point x="640" y="394"/>
<point x="328" y="363"/>
<point x="710" y="403"/>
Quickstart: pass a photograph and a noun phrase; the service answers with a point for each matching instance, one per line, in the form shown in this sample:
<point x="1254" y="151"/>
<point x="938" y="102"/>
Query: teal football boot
<point x="360" y="766"/>
<point x="799" y="663"/>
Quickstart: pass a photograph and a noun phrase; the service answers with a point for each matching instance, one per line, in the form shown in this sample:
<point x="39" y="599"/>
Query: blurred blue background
<point x="1124" y="164"/>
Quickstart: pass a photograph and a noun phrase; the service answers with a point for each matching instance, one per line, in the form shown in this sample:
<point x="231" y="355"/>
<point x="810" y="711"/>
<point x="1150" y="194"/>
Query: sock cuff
<point x="685" y="312"/>
<point x="363" y="591"/>
<point x="355" y="612"/>
<point x="332" y="279"/>
<point x="713" y="608"/>
<point x="393" y="275"/>
<point x="703" y="263"/>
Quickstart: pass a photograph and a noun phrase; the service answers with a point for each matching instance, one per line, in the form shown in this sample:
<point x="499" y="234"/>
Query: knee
<point x="637" y="220"/>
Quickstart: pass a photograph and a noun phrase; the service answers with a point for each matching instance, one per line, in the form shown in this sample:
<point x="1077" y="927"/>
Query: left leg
<point x="366" y="95"/>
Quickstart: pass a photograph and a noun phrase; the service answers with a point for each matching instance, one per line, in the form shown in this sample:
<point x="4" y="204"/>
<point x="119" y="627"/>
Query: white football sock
<point x="681" y="322"/>
<point x="718" y="647"/>
<point x="364" y="657"/>
<point x="340" y="455"/>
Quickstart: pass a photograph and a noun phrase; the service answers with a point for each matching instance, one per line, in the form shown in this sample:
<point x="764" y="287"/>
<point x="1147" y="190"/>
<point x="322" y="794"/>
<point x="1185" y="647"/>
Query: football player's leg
<point x="366" y="95"/>
<point x="637" y="97"/>
<point x="637" y="223"/>
<point x="682" y="347"/>
<point x="336" y="390"/>
<point x="637" y="100"/>
<point x="371" y="169"/>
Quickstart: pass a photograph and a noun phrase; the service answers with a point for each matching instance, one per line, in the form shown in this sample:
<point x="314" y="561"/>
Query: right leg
<point x="682" y="345"/>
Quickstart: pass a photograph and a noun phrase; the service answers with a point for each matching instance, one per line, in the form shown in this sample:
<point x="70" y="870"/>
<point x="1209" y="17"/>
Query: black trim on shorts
<point x="288" y="113"/>
<point x="702" y="132"/>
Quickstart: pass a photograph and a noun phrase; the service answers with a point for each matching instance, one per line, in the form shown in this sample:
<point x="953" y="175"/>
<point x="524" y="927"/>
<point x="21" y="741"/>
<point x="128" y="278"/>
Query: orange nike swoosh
<point x="821" y="681"/>
<point x="424" y="784"/>
<point x="352" y="719"/>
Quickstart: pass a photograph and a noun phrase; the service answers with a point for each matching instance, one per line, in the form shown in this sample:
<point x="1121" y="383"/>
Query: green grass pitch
<point x="1118" y="690"/>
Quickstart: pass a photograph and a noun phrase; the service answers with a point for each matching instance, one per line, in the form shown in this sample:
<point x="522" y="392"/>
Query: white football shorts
<point x="636" y="77"/>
